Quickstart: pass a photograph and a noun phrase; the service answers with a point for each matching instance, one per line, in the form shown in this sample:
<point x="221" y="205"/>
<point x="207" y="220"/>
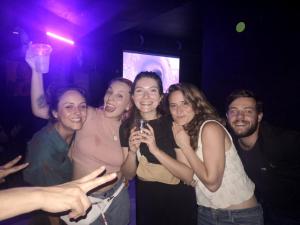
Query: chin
<point x="181" y="123"/>
<point x="112" y="114"/>
<point x="77" y="127"/>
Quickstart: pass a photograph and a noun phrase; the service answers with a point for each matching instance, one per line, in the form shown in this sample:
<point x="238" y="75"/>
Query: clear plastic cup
<point x="41" y="53"/>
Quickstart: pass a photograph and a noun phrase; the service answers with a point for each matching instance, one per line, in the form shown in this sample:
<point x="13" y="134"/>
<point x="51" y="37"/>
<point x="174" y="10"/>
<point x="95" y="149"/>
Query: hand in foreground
<point x="72" y="196"/>
<point x="10" y="168"/>
<point x="29" y="58"/>
<point x="182" y="139"/>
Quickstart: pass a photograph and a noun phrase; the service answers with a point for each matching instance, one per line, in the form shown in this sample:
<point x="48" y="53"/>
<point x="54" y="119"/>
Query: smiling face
<point x="117" y="100"/>
<point x="146" y="97"/>
<point x="71" y="111"/>
<point x="242" y="116"/>
<point x="181" y="110"/>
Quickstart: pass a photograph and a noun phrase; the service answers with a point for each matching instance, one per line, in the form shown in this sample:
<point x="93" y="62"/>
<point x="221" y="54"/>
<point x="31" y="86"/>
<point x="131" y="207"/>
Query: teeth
<point x="76" y="120"/>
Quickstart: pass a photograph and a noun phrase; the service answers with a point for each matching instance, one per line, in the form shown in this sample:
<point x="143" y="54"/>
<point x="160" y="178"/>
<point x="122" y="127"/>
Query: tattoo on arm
<point x="41" y="102"/>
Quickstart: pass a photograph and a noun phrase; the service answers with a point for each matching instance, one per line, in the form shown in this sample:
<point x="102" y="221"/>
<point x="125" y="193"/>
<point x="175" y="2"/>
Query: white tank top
<point x="236" y="186"/>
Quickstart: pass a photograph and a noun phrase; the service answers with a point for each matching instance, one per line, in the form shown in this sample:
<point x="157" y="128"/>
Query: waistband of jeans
<point x="109" y="192"/>
<point x="228" y="212"/>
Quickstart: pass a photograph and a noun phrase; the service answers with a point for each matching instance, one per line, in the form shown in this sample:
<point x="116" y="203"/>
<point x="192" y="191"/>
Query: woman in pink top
<point x="97" y="144"/>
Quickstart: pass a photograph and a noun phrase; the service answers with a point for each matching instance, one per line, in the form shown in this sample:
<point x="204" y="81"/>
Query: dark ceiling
<point x="81" y="19"/>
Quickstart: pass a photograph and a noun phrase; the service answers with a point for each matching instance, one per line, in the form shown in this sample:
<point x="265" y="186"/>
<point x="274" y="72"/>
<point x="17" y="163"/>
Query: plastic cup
<point x="140" y="124"/>
<point x="41" y="53"/>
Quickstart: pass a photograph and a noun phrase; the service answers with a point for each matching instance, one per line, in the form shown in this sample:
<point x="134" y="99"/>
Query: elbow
<point x="189" y="179"/>
<point x="128" y="176"/>
<point x="213" y="185"/>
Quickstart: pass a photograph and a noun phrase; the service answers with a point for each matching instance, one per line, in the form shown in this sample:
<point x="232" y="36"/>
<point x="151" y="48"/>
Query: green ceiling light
<point x="240" y="27"/>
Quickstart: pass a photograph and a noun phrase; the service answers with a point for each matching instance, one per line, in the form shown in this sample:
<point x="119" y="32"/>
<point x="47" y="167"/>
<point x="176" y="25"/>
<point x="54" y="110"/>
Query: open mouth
<point x="76" y="120"/>
<point x="109" y="107"/>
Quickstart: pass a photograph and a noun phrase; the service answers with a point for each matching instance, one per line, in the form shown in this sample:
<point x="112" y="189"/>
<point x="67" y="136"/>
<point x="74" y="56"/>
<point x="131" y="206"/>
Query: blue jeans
<point x="118" y="212"/>
<point x="250" y="216"/>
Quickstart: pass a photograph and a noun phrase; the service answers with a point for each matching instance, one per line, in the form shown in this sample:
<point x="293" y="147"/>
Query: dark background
<point x="263" y="58"/>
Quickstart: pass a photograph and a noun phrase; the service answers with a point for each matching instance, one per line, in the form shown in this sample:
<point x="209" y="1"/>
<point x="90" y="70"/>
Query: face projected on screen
<point x="166" y="67"/>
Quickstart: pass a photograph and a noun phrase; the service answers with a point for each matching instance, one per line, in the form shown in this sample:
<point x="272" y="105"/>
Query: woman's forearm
<point x="39" y="105"/>
<point x="177" y="168"/>
<point x="129" y="166"/>
<point x="17" y="201"/>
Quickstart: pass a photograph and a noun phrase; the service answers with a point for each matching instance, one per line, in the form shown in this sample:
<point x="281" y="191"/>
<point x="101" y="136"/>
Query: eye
<point x="138" y="91"/>
<point x="154" y="90"/>
<point x="186" y="103"/>
<point x="83" y="107"/>
<point x="119" y="97"/>
<point x="172" y="106"/>
<point x="69" y="107"/>
<point x="108" y="92"/>
<point x="232" y="112"/>
<point x="249" y="112"/>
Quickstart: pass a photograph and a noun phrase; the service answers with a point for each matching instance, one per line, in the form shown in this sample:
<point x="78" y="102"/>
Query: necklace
<point x="115" y="137"/>
<point x="112" y="131"/>
<point x="111" y="127"/>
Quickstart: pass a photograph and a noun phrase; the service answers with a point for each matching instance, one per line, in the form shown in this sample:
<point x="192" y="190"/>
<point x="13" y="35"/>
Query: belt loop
<point x="229" y="214"/>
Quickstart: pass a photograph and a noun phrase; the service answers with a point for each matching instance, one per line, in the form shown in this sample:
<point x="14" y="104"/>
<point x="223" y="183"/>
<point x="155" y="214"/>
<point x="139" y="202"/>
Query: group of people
<point x="189" y="169"/>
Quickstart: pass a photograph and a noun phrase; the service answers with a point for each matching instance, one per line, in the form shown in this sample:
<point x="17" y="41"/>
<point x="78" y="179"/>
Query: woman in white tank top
<point x="225" y="194"/>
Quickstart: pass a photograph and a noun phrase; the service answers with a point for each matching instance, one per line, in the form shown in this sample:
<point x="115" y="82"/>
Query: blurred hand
<point x="29" y="57"/>
<point x="148" y="137"/>
<point x="10" y="168"/>
<point x="182" y="139"/>
<point x="72" y="196"/>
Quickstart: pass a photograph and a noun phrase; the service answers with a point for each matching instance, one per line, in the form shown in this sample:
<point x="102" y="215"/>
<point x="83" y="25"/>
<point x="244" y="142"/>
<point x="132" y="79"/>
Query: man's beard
<point x="246" y="133"/>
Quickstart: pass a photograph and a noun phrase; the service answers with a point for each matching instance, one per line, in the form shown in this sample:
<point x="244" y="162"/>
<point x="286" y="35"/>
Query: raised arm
<point x="209" y="171"/>
<point x="39" y="105"/>
<point x="69" y="196"/>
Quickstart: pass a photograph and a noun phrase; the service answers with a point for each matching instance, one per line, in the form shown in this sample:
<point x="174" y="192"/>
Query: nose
<point x="179" y="110"/>
<point x="146" y="94"/>
<point x="77" y="110"/>
<point x="240" y="114"/>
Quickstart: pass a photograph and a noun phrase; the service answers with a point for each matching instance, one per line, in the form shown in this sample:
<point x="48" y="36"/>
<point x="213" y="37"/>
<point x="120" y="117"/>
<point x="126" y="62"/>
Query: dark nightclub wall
<point x="263" y="58"/>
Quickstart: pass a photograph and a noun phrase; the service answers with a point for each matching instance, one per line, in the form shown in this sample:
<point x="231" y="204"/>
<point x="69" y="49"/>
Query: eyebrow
<point x="246" y="107"/>
<point x="146" y="87"/>
<point x="183" y="101"/>
<point x="72" y="103"/>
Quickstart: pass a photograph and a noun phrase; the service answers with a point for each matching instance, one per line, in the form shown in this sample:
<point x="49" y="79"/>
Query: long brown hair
<point x="202" y="108"/>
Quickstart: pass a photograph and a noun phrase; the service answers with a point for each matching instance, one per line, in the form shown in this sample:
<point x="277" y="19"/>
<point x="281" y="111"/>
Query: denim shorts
<point x="118" y="212"/>
<point x="249" y="216"/>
